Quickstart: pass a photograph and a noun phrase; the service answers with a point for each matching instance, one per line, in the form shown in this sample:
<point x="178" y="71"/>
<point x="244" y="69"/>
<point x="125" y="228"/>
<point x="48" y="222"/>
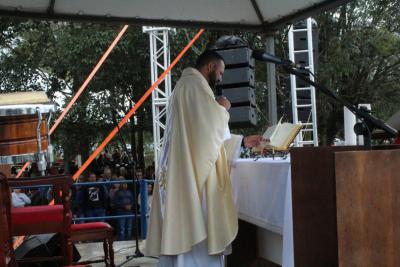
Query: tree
<point x="359" y="59"/>
<point x="57" y="57"/>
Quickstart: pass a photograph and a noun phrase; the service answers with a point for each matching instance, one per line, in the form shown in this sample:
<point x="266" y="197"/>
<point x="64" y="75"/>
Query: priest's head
<point x="211" y="65"/>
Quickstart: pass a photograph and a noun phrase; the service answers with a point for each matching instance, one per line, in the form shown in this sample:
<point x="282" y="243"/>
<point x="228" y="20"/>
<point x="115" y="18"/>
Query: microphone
<point x="263" y="56"/>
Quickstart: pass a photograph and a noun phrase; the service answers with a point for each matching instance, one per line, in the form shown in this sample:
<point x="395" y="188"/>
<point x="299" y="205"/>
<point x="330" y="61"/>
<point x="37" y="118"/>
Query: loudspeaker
<point x="303" y="114"/>
<point x="238" y="82"/>
<point x="300" y="42"/>
<point x="45" y="245"/>
<point x="299" y="82"/>
<point x="240" y="96"/>
<point x="237" y="56"/>
<point x="242" y="117"/>
<point x="238" y="77"/>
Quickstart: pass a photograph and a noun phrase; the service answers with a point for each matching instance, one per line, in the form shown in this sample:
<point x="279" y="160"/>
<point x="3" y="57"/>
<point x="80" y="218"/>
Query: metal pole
<point x="271" y="81"/>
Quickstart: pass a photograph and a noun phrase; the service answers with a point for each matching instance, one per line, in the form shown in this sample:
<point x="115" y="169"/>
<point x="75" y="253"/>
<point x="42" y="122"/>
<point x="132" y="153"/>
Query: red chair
<point x="7" y="257"/>
<point x="96" y="231"/>
<point x="55" y="218"/>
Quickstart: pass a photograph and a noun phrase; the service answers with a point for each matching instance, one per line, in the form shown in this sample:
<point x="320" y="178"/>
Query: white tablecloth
<point x="263" y="196"/>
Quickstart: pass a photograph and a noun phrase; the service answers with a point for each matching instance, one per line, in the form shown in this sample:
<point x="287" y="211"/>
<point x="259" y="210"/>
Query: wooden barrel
<point x="18" y="135"/>
<point x="18" y="132"/>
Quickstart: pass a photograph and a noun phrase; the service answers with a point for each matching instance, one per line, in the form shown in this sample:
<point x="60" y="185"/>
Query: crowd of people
<point x="93" y="201"/>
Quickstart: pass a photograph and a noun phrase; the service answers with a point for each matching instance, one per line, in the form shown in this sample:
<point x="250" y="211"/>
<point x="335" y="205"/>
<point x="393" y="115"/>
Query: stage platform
<point x="122" y="249"/>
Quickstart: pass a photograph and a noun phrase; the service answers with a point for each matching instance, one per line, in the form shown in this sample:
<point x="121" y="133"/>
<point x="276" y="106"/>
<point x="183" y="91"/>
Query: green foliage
<point x="58" y="56"/>
<point x="359" y="53"/>
<point x="359" y="60"/>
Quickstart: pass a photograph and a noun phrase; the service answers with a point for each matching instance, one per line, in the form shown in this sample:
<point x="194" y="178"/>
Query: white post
<point x="350" y="137"/>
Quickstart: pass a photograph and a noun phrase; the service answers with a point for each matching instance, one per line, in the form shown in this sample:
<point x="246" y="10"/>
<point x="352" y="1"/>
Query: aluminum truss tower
<point x="159" y="60"/>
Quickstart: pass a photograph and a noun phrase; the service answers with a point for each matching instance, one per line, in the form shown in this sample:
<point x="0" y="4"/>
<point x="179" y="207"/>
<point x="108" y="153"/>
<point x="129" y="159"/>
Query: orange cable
<point x="73" y="100"/>
<point x="23" y="169"/>
<point x="124" y="120"/>
<point x="135" y="107"/>
<point x="88" y="79"/>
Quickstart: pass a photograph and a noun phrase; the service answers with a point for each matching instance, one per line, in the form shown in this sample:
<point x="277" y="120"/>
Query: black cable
<point x="306" y="70"/>
<point x="131" y="165"/>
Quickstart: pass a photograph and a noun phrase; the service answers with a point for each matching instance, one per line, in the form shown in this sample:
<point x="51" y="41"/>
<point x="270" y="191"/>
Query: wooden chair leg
<point x="68" y="260"/>
<point x="106" y="254"/>
<point x="111" y="249"/>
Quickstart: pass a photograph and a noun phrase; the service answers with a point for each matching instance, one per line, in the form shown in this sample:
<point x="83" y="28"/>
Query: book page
<point x="269" y="133"/>
<point x="285" y="134"/>
<point x="280" y="136"/>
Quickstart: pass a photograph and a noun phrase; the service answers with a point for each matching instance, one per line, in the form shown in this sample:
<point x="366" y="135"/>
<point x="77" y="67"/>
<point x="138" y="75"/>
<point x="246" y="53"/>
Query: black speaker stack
<point x="238" y="84"/>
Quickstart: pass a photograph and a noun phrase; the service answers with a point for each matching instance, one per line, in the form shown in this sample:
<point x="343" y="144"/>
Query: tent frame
<point x="263" y="26"/>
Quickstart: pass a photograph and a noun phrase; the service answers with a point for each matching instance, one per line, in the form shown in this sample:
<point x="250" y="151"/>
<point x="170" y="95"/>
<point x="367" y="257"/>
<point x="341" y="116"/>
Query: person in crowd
<point x="111" y="201"/>
<point x="94" y="199"/>
<point x="114" y="189"/>
<point x="150" y="176"/>
<point x="116" y="156"/>
<point x="19" y="198"/>
<point x="123" y="202"/>
<point x="107" y="177"/>
<point x="77" y="205"/>
<point x="139" y="174"/>
<point x="123" y="172"/>
<point x="37" y="196"/>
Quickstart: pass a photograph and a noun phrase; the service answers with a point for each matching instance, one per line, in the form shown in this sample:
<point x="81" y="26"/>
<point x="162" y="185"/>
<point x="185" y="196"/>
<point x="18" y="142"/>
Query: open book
<point x="280" y="136"/>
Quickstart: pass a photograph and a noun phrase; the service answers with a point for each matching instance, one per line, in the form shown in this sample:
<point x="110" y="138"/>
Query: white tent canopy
<point x="245" y="14"/>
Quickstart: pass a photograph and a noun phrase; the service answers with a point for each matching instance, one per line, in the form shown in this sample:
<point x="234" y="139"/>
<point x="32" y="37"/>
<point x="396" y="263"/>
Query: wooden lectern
<point x="346" y="206"/>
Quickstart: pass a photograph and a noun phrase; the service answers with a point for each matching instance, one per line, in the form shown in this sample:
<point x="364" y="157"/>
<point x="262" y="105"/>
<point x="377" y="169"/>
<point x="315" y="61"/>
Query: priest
<point x="193" y="218"/>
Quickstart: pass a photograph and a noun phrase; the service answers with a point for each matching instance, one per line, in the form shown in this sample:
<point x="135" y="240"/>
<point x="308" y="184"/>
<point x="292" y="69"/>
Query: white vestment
<point x="198" y="256"/>
<point x="193" y="217"/>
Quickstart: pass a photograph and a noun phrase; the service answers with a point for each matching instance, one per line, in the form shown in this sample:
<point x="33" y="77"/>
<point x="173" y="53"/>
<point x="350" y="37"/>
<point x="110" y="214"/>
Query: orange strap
<point x="88" y="79"/>
<point x="125" y="119"/>
<point x="23" y="169"/>
<point x="136" y="106"/>
<point x="84" y="85"/>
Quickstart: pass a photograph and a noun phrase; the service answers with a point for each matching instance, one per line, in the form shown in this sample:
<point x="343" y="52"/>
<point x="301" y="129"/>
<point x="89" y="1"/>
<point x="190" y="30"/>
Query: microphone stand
<point x="369" y="121"/>
<point x="131" y="166"/>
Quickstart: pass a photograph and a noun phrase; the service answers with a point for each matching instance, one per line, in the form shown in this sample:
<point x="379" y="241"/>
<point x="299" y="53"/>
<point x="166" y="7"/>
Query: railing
<point x="144" y="207"/>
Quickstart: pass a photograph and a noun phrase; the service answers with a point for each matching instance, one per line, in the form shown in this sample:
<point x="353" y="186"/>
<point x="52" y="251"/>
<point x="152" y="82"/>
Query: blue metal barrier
<point x="144" y="207"/>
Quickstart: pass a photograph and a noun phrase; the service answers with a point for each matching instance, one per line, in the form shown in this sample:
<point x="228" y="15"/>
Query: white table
<point x="263" y="196"/>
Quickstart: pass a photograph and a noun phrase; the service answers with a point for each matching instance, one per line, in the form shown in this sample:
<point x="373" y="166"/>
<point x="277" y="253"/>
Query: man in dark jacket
<point x="123" y="202"/>
<point x="94" y="199"/>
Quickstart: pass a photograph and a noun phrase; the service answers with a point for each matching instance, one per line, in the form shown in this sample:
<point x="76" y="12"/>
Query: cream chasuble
<point x="195" y="162"/>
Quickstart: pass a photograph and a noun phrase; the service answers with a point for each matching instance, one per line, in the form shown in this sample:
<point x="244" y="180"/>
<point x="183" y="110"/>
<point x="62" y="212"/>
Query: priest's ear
<point x="211" y="66"/>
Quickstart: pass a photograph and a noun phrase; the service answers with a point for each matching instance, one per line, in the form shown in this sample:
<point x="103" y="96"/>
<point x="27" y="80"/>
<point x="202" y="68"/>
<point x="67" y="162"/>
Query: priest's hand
<point x="223" y="101"/>
<point x="253" y="140"/>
